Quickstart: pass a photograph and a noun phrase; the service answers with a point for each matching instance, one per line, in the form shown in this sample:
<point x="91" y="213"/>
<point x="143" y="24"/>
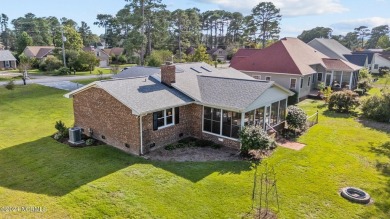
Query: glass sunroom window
<point x="274" y="114"/>
<point x="214" y="118"/>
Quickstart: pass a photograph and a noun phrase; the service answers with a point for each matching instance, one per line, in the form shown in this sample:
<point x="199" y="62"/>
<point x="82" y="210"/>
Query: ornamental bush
<point x="296" y="118"/>
<point x="377" y="107"/>
<point x="254" y="138"/>
<point x="61" y="128"/>
<point x="343" y="101"/>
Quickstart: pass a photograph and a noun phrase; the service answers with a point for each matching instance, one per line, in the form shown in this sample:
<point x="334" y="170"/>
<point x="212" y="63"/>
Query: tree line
<point x="142" y="26"/>
<point x="360" y="38"/>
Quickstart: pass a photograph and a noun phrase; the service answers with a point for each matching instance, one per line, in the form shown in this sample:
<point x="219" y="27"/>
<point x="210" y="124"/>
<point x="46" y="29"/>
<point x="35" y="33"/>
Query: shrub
<point x="364" y="84"/>
<point x="327" y="92"/>
<point x="359" y="91"/>
<point x="10" y="85"/>
<point x="293" y="99"/>
<point x="254" y="138"/>
<point x="89" y="141"/>
<point x="377" y="107"/>
<point x="180" y="145"/>
<point x="122" y="59"/>
<point x="170" y="147"/>
<point x="60" y="126"/>
<point x="63" y="71"/>
<point x="343" y="101"/>
<point x="296" y="118"/>
<point x="57" y="136"/>
<point x="51" y="64"/>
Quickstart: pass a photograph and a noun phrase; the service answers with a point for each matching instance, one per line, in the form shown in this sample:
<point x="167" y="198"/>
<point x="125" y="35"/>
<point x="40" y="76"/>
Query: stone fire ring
<point x="355" y="195"/>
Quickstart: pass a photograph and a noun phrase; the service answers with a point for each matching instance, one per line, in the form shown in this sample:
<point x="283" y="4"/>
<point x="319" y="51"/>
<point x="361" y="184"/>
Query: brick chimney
<point x="168" y="73"/>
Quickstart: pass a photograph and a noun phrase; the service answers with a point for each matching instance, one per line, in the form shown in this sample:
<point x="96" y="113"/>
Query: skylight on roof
<point x="196" y="70"/>
<point x="205" y="69"/>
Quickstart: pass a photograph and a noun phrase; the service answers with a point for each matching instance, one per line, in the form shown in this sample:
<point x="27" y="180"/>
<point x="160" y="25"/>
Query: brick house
<point x="140" y="114"/>
<point x="7" y="60"/>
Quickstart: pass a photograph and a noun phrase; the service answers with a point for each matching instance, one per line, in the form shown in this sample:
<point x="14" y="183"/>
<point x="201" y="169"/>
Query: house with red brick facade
<point x="139" y="114"/>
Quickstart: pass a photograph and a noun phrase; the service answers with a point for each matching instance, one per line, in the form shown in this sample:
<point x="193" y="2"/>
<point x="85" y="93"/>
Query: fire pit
<point x="355" y="195"/>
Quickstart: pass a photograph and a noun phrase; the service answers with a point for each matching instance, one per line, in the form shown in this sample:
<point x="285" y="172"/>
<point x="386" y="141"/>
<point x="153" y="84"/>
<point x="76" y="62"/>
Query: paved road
<point x="47" y="79"/>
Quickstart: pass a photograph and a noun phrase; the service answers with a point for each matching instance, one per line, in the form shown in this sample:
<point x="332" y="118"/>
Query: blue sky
<point x="298" y="15"/>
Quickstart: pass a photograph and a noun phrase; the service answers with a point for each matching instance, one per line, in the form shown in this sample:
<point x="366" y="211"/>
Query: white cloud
<point x="349" y="25"/>
<point x="289" y="8"/>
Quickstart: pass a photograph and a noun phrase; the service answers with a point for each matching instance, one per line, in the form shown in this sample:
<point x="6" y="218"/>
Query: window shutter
<point x="177" y="112"/>
<point x="155" y="124"/>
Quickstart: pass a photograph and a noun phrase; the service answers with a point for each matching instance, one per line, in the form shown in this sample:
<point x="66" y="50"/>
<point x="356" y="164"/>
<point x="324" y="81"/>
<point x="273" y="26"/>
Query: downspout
<point x="140" y="130"/>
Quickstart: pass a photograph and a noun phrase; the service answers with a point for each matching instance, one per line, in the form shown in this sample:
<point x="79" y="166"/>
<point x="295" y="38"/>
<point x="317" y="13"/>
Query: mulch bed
<point x="84" y="137"/>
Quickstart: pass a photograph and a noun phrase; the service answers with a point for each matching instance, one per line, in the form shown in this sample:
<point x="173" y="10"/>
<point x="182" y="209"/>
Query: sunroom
<point x="228" y="123"/>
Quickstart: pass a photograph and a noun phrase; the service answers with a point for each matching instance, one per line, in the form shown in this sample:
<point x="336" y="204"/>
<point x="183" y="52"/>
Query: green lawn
<point x="102" y="182"/>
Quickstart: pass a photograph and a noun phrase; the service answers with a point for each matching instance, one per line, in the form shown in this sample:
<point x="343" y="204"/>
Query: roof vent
<point x="205" y="69"/>
<point x="195" y="70"/>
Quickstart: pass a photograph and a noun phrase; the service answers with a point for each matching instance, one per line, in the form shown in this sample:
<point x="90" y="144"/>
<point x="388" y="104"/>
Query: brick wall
<point x="189" y="125"/>
<point x="225" y="141"/>
<point x="106" y="116"/>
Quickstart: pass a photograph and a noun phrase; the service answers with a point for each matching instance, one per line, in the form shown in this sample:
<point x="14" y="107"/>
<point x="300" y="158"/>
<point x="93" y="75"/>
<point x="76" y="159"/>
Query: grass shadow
<point x="196" y="171"/>
<point x="384" y="168"/>
<point x="379" y="126"/>
<point x="334" y="114"/>
<point x="47" y="167"/>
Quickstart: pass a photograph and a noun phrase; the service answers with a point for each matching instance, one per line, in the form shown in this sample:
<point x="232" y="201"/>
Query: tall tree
<point x="22" y="41"/>
<point x="86" y="34"/>
<point x="317" y="32"/>
<point x="362" y="32"/>
<point x="376" y="33"/>
<point x="383" y="42"/>
<point x="73" y="38"/>
<point x="103" y="20"/>
<point x="267" y="20"/>
<point x="5" y="32"/>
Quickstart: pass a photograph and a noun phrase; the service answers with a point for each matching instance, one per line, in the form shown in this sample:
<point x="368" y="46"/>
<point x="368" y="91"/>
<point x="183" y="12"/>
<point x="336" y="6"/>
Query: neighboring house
<point x="114" y="52"/>
<point x="38" y="52"/>
<point x="139" y="114"/>
<point x="335" y="50"/>
<point x="2" y="47"/>
<point x="7" y="60"/>
<point x="377" y="58"/>
<point x="218" y="54"/>
<point x="104" y="58"/>
<point x="296" y="66"/>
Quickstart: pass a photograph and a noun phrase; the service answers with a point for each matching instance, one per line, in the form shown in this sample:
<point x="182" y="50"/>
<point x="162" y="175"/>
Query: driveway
<point x="35" y="79"/>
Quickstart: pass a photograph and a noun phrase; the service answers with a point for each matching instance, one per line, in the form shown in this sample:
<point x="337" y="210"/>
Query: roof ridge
<point x="239" y="79"/>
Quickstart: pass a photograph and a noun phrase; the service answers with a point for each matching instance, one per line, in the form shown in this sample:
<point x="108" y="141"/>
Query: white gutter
<point x="140" y="129"/>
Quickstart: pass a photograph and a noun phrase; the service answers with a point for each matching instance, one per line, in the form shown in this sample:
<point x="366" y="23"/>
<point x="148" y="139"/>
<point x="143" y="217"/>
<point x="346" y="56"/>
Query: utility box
<point x="75" y="136"/>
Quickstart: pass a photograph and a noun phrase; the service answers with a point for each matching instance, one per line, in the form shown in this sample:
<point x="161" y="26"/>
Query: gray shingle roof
<point x="330" y="47"/>
<point x="235" y="94"/>
<point x="144" y="95"/>
<point x="6" y="55"/>
<point x="137" y="71"/>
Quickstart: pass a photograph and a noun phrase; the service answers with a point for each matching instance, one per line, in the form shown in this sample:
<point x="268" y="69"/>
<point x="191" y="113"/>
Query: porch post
<point x="341" y="79"/>
<point x="331" y="79"/>
<point x="242" y="120"/>
<point x="350" y="81"/>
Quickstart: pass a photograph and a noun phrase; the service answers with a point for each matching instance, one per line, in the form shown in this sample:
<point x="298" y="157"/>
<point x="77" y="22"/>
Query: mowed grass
<point x="102" y="182"/>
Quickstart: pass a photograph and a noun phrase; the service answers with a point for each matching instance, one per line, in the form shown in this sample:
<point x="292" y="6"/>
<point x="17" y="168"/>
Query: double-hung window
<point x="165" y="118"/>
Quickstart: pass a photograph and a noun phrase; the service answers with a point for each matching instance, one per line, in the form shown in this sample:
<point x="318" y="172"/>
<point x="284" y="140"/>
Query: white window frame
<point x="257" y="77"/>
<point x="269" y="78"/>
<point x="220" y="128"/>
<point x="295" y="85"/>
<point x="165" y="118"/>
